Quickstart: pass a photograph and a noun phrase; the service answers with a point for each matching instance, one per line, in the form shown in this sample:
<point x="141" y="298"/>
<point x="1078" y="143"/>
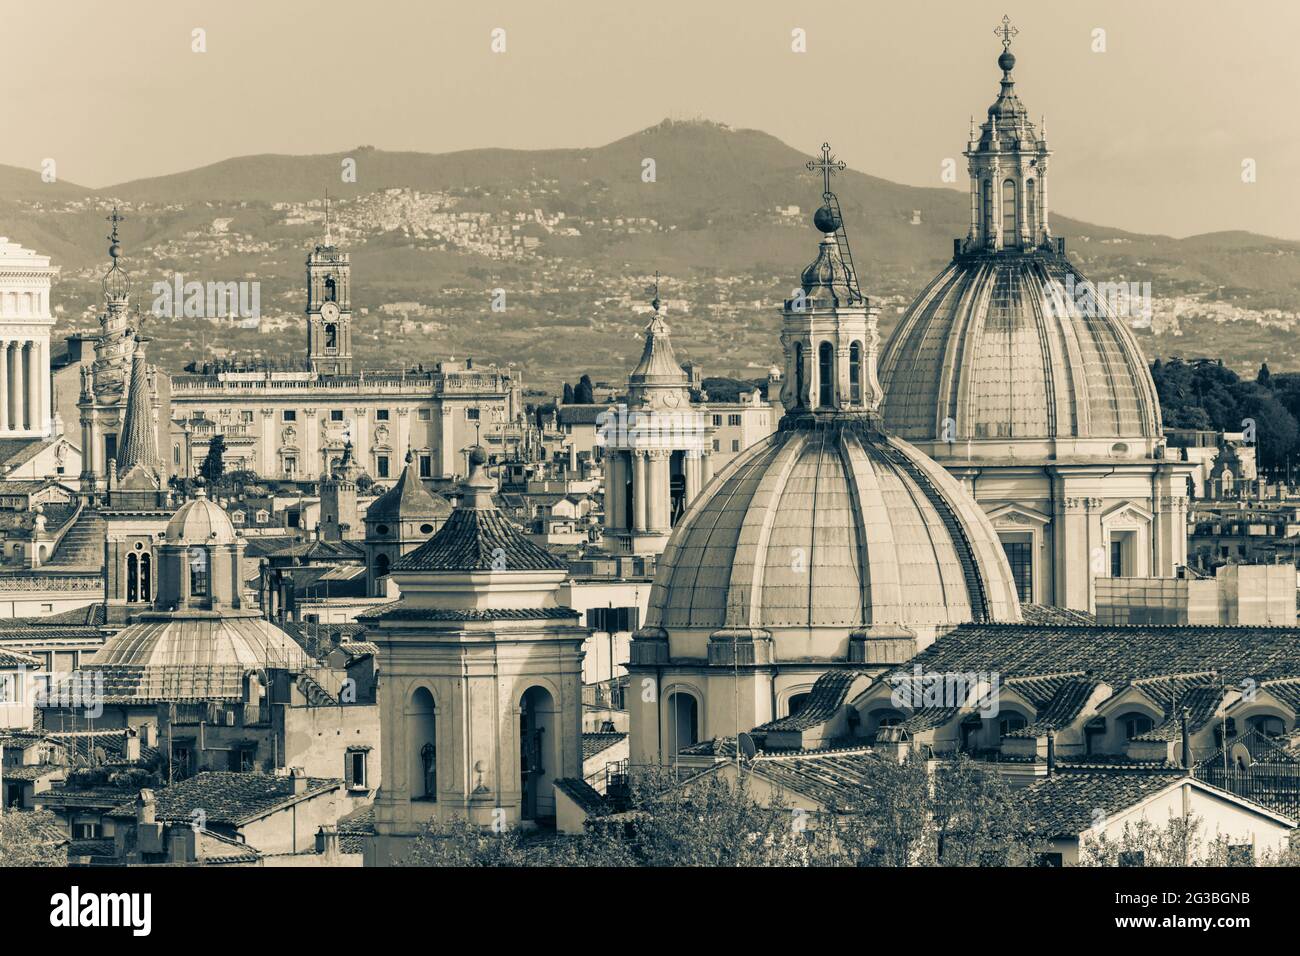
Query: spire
<point x="658" y="372"/>
<point x="116" y="283"/>
<point x="329" y="241"/>
<point x="137" y="451"/>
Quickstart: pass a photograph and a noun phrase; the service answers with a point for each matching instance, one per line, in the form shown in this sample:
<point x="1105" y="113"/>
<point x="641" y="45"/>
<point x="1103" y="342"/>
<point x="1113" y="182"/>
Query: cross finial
<point x="114" y="219"/>
<point x="654" y="290"/>
<point x="1006" y="31"/>
<point x="828" y="165"/>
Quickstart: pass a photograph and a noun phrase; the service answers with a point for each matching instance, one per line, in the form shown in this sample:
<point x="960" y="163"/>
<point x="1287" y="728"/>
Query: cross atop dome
<point x="654" y="290"/>
<point x="1006" y="31"/>
<point x="828" y="166"/>
<point x="116" y="283"/>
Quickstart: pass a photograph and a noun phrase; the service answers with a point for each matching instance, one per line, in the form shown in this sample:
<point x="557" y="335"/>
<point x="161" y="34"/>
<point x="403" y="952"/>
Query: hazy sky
<point x="1149" y="135"/>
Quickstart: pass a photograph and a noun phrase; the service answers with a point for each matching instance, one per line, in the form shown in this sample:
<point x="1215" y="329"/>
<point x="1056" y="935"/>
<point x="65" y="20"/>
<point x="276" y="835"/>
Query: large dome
<point x="191" y="657"/>
<point x="832" y="525"/>
<point x="997" y="347"/>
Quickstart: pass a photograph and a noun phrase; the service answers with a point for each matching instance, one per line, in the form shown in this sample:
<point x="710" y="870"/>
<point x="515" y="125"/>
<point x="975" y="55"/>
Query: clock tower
<point x="329" y="309"/>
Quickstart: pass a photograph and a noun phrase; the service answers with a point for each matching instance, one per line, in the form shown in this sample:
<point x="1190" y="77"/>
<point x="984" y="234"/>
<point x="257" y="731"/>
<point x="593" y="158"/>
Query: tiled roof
<point x="825" y="698"/>
<point x="1067" y="803"/>
<point x="595" y="743"/>
<point x="1064" y="706"/>
<point x="583" y="794"/>
<point x="32" y="771"/>
<point x="479" y="539"/>
<point x="582" y="414"/>
<point x="316" y="550"/>
<point x="1116" y="655"/>
<point x="16" y="451"/>
<point x="407" y="500"/>
<point x="831" y="777"/>
<point x="1050" y="614"/>
<point x="215" y="849"/>
<point x="1200" y="701"/>
<point x="1039" y="689"/>
<point x="17" y="659"/>
<point x="355" y="827"/>
<point x="928" y="718"/>
<point x="229" y="799"/>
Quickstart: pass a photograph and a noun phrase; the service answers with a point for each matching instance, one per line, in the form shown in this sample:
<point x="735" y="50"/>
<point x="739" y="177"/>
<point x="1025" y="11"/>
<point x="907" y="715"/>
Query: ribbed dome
<point x="999" y="345"/>
<point x="191" y="656"/>
<point x="836" y="525"/>
<point x="200" y="521"/>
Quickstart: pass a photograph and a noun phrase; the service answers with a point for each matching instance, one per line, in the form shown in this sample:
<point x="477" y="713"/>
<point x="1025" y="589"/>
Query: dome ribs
<point x="957" y="534"/>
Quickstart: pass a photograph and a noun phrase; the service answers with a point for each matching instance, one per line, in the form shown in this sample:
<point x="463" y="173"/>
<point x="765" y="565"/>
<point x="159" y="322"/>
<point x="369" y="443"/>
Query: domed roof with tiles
<point x="833" y="526"/>
<point x="200" y="521"/>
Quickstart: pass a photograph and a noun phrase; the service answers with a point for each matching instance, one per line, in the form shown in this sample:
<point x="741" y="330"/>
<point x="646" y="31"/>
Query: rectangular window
<point x="336" y="414"/>
<point x="471" y="414"/>
<point x="425" y="414"/>
<point x="426" y="466"/>
<point x="355" y="769"/>
<point x="717" y="445"/>
<point x="290" y="466"/>
<point x="289" y="415"/>
<point x="246" y="417"/>
<point x="735" y="444"/>
<point x="86" y="831"/>
<point x="717" y="421"/>
<point x="381" y="465"/>
<point x="381" y="414"/>
<point x="733" y="420"/>
<point x="1020" y="555"/>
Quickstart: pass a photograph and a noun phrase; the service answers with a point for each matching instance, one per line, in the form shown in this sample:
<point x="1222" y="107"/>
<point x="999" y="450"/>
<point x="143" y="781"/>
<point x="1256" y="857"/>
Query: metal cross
<point x="114" y="219"/>
<point x="655" y="289"/>
<point x="828" y="166"/>
<point x="1006" y="31"/>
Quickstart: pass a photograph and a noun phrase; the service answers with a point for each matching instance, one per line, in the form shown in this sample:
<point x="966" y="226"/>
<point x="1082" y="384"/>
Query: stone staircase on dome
<point x="82" y="545"/>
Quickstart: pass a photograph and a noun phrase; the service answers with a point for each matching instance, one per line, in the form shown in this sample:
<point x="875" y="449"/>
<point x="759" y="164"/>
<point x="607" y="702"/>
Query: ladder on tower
<point x="842" y="243"/>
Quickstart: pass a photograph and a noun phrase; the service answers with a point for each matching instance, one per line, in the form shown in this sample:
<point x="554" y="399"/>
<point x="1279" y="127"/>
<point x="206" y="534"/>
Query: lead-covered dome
<point x="832" y="525"/>
<point x="1015" y="346"/>
<point x="200" y="521"/>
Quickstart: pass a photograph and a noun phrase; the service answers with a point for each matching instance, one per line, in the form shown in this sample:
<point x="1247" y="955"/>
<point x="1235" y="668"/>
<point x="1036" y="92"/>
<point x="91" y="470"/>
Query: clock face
<point x="329" y="311"/>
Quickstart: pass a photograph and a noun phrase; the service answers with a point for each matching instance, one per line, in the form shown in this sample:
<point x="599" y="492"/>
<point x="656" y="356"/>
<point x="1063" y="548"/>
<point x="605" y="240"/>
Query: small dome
<point x="839" y="526"/>
<point x="200" y="521"/>
<point x="408" y="500"/>
<point x="1021" y="359"/>
<point x="828" y="273"/>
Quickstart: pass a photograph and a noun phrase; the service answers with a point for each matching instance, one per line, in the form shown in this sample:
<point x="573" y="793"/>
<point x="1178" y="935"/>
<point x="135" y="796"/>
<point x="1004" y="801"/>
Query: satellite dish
<point x="745" y="743"/>
<point x="1240" y="756"/>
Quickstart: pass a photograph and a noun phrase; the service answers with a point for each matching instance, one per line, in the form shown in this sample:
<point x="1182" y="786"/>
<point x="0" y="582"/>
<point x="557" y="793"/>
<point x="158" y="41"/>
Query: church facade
<point x="293" y="424"/>
<point x="1022" y="378"/>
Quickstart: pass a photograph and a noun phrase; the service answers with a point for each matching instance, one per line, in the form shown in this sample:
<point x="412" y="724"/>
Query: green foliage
<point x="214" y="465"/>
<point x="583" y="394"/>
<point x="1205" y="394"/>
<point x="31" y="838"/>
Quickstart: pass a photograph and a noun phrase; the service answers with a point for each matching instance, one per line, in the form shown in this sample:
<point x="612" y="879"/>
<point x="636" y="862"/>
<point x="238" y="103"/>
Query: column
<point x="34" y="422"/>
<point x="974" y="207"/>
<point x="692" y="465"/>
<point x="4" y="386"/>
<point x="47" y="387"/>
<point x="706" y="469"/>
<point x="639" y="489"/>
<point x="1042" y="197"/>
<point x="995" y="227"/>
<point x="614" y="489"/>
<point x="654" y="492"/>
<point x="17" y="401"/>
<point x="1022" y="208"/>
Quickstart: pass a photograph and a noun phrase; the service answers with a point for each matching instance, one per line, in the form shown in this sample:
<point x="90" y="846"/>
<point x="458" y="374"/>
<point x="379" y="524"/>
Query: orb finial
<point x="1006" y="31"/>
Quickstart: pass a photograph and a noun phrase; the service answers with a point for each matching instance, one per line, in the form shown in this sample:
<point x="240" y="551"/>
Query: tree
<point x="31" y="838"/>
<point x="887" y="823"/>
<point x="568" y="394"/>
<point x="214" y="465"/>
<point x="583" y="394"/>
<point x="1263" y="377"/>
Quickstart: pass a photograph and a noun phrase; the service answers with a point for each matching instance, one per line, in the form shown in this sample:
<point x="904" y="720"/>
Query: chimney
<point x="327" y="842"/>
<point x="131" y="746"/>
<point x="150" y="735"/>
<point x="299" y="778"/>
<point x="145" y="808"/>
<point x="1187" y="742"/>
<point x="1051" y="752"/>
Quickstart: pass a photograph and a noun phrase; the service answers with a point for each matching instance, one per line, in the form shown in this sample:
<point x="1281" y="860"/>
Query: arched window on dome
<point x="198" y="572"/>
<point x="139" y="584"/>
<point x="798" y="375"/>
<point x="1031" y="209"/>
<point x="855" y="373"/>
<point x="1010" y="236"/>
<point x="825" y="375"/>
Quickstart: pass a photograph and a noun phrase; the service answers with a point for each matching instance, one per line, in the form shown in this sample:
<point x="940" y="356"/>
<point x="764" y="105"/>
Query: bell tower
<point x="329" y="307"/>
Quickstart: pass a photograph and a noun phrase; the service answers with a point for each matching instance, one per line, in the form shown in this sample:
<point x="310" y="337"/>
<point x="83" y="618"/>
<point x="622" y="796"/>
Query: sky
<point x="1149" y="134"/>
